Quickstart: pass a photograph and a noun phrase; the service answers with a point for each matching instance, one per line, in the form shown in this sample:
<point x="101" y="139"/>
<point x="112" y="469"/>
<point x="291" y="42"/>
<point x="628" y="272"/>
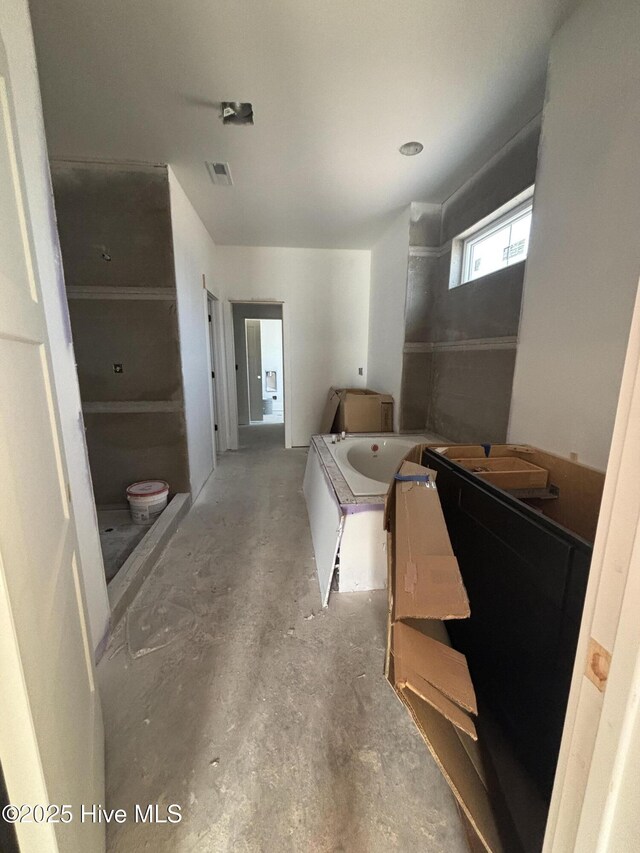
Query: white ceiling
<point x="337" y="86"/>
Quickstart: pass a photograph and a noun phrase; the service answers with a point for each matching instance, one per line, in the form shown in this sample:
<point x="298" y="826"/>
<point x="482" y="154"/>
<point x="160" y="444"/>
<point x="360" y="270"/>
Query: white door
<point x="51" y="735"/>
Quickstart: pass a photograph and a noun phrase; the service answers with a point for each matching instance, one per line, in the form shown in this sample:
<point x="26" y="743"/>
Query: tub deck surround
<point x="346" y="499"/>
<point x="368" y="462"/>
<point x="347" y="529"/>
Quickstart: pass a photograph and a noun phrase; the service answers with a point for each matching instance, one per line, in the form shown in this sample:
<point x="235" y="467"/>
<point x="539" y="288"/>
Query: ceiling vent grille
<point x="220" y="174"/>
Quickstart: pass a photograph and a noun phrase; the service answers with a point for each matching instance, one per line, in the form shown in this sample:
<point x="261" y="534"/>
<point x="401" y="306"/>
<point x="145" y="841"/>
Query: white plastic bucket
<point x="147" y="499"/>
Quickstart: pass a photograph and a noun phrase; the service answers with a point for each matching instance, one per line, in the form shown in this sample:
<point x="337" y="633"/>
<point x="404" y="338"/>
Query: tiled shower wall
<point x="460" y="343"/>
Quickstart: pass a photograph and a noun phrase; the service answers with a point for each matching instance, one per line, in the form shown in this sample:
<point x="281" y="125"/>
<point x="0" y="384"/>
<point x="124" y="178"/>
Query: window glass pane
<point x="501" y="247"/>
<point x="487" y="255"/>
<point x="519" y="244"/>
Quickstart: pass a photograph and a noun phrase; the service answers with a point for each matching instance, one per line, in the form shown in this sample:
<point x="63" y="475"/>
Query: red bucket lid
<point x="147" y="488"/>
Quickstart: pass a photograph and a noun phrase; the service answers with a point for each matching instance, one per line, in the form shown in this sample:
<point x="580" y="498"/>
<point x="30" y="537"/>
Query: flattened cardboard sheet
<point x="390" y="607"/>
<point x="412" y="458"/>
<point x="428" y="580"/>
<point x="457" y="768"/>
<point x="330" y="411"/>
<point x="407" y="678"/>
<point x="431" y="587"/>
<point x="362" y="410"/>
<point x="439" y="665"/>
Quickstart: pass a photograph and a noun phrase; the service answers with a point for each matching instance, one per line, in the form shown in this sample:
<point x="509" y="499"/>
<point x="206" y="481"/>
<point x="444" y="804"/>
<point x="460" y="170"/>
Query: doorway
<point x="259" y="363"/>
<point x="264" y="371"/>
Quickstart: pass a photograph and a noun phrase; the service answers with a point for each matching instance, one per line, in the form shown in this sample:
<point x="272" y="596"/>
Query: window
<point x="495" y="243"/>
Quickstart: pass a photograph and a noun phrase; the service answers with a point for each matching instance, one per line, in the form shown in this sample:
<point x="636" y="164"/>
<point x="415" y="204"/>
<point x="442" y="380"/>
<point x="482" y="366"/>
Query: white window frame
<point x="462" y="245"/>
<point x="508" y="219"/>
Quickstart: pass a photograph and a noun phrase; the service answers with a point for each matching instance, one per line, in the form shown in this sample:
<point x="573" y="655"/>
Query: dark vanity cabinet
<point x="526" y="577"/>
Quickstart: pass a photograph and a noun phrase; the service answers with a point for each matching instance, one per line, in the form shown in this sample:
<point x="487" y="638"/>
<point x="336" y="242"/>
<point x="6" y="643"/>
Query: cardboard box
<point x="357" y="410"/>
<point x="507" y="472"/>
<point x="578" y="488"/>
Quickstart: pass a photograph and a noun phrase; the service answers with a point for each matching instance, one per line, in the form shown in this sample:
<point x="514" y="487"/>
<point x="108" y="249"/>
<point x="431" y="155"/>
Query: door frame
<point x="232" y="394"/>
<point x="216" y="360"/>
<point x="593" y="804"/>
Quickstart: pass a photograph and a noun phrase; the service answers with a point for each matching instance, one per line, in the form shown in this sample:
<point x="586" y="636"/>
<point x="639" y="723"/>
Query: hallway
<point x="266" y="719"/>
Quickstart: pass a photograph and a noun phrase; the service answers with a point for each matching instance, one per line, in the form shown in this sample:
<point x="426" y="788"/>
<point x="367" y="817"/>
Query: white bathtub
<point x="368" y="462"/>
<point x="346" y="517"/>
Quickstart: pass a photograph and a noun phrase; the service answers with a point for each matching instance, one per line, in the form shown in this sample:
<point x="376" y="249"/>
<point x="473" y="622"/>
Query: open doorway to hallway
<point x="259" y="363"/>
<point x="264" y="371"/>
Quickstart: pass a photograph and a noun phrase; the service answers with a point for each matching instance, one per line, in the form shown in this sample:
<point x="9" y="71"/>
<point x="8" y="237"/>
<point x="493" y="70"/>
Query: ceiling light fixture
<point x="410" y="149"/>
<point x="236" y="112"/>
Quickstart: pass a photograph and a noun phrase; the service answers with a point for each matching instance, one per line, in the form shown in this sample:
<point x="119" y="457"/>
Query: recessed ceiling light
<point x="410" y="149"/>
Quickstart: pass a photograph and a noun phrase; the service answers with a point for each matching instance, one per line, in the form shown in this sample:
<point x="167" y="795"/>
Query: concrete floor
<point x="268" y="720"/>
<point x="277" y="418"/>
<point x="118" y="538"/>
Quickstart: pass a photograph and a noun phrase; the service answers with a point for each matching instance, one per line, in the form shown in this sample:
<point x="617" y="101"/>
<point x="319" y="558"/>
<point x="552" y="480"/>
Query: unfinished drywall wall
<point x="326" y="317"/>
<point x="125" y="447"/>
<point x="121" y="211"/>
<point x="15" y="26"/>
<point x="387" y="296"/>
<point x="146" y="344"/>
<point x="460" y="342"/>
<point x="243" y="311"/>
<point x="584" y="257"/>
<point x="196" y="269"/>
<point x="115" y="234"/>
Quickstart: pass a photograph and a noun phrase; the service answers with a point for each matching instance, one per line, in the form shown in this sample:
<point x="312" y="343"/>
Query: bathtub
<point x="345" y="484"/>
<point x="369" y="462"/>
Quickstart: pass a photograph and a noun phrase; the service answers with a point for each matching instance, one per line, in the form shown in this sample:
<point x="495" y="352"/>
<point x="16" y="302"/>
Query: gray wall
<point x="120" y="210"/>
<point x="460" y="343"/>
<point x="248" y="311"/>
<point x="141" y="335"/>
<point x="123" y="311"/>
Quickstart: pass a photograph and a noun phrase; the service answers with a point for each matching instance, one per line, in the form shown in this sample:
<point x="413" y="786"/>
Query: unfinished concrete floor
<point x="118" y="538"/>
<point x="268" y="720"/>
